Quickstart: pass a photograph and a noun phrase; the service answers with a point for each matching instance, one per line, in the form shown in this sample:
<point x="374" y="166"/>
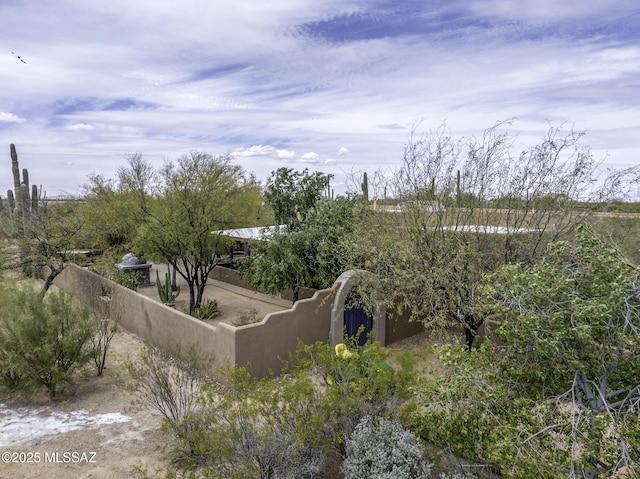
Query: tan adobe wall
<point x="229" y="276"/>
<point x="261" y="346"/>
<point x="152" y="321"/>
<point x="399" y="327"/>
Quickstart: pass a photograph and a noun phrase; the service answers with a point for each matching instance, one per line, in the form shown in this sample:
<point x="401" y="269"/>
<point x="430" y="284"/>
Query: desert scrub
<point x="167" y="385"/>
<point x="207" y="310"/>
<point x="355" y="383"/>
<point x="128" y="280"/>
<point x="44" y="339"/>
<point x="381" y="448"/>
<point x="247" y="317"/>
<point x="262" y="428"/>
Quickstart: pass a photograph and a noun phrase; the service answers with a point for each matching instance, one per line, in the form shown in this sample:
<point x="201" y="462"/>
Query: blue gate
<point x="358" y="324"/>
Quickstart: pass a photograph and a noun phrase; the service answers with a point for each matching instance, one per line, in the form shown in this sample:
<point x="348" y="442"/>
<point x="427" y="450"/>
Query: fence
<point x="258" y="346"/>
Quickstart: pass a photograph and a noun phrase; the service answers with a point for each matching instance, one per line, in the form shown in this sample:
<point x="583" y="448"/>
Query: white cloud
<point x="10" y="118"/>
<point x="264" y="150"/>
<point x="255" y="150"/>
<point x="343" y="151"/>
<point x="309" y="157"/>
<point x="286" y="154"/>
<point x="80" y="127"/>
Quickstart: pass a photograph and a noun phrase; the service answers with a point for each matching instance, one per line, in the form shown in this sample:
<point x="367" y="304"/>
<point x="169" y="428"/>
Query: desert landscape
<point x="92" y="430"/>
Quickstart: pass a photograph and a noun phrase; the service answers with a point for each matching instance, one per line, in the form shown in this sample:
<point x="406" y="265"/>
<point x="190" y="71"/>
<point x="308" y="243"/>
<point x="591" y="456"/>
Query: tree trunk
<point x="192" y="296"/>
<point x="52" y="275"/>
<point x="200" y="289"/>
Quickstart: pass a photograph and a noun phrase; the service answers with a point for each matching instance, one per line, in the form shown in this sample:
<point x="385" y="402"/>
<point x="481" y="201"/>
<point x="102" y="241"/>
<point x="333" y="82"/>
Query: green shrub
<point x="262" y="428"/>
<point x="382" y="449"/>
<point x="43" y="339"/>
<point x="273" y="427"/>
<point x="207" y="310"/>
<point x="357" y="383"/>
<point x="128" y="280"/>
<point x="472" y="410"/>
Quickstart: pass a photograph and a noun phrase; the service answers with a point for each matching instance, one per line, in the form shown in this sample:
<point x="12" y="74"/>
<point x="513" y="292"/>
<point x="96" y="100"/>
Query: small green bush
<point x="380" y="448"/>
<point x="128" y="280"/>
<point x="207" y="310"/>
<point x="357" y="383"/>
<point x="43" y="339"/>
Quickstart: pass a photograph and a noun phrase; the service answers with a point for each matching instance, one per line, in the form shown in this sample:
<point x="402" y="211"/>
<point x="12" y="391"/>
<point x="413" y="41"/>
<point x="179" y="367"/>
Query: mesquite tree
<point x="291" y="194"/>
<point x="572" y="320"/>
<point x="313" y="255"/>
<point x="572" y="326"/>
<point x="467" y="206"/>
<point x="199" y="194"/>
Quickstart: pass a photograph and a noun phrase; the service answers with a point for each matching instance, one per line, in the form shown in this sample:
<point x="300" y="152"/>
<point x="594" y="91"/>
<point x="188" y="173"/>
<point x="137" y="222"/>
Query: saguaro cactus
<point x="19" y="199"/>
<point x="365" y="187"/>
<point x="14" y="167"/>
<point x="166" y="291"/>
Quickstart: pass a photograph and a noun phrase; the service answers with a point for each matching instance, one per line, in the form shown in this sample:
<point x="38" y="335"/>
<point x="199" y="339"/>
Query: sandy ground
<point x="232" y="306"/>
<point x="91" y="430"/>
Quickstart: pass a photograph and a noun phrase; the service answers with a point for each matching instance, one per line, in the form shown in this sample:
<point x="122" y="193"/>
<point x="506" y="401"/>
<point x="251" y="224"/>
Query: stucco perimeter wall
<point x="399" y="327"/>
<point x="231" y="276"/>
<point x="261" y="346"/>
<point x="227" y="275"/>
<point x="152" y="321"/>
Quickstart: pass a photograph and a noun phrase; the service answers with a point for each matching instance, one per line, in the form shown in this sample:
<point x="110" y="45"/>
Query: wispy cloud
<point x="340" y="83"/>
<point x="80" y="127"/>
<point x="10" y="118"/>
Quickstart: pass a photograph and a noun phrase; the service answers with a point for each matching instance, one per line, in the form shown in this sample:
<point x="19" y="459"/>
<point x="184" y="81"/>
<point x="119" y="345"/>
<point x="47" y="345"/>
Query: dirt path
<point x="88" y="432"/>
<point x="92" y="431"/>
<point x="95" y="418"/>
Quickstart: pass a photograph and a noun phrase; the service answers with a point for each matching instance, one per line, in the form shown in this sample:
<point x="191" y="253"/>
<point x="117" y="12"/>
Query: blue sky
<point x="331" y="85"/>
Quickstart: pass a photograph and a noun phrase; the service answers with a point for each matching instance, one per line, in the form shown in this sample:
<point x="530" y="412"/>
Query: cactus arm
<point x="34" y="198"/>
<point x="11" y="200"/>
<point x="161" y="290"/>
<point x="365" y="187"/>
<point x="15" y="169"/>
<point x="25" y="177"/>
<point x="167" y="293"/>
<point x="23" y="198"/>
